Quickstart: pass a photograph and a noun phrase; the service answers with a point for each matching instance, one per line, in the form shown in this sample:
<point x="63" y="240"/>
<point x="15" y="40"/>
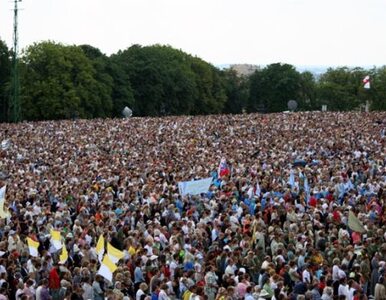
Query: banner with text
<point x="195" y="187"/>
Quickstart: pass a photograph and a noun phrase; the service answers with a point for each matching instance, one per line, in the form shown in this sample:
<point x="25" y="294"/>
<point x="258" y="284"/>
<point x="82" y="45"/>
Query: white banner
<point x="195" y="187"/>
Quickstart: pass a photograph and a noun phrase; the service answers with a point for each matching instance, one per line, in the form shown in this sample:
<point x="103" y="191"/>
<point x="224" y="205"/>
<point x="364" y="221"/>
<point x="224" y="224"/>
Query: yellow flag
<point x="114" y="254"/>
<point x="64" y="256"/>
<point x="55" y="235"/>
<point x="100" y="247"/>
<point x="33" y="247"/>
<point x="56" y="239"/>
<point x="109" y="264"/>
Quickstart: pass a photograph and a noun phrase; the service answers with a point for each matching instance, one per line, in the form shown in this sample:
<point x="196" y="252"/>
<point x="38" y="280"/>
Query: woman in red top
<point x="54" y="282"/>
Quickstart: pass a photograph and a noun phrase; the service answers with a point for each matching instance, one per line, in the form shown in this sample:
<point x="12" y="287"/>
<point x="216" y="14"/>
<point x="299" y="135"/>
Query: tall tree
<point x="377" y="92"/>
<point x="307" y="93"/>
<point x="104" y="80"/>
<point x="5" y="76"/>
<point x="59" y="82"/>
<point x="341" y="88"/>
<point x="211" y="95"/>
<point x="168" y="81"/>
<point x="273" y="87"/>
<point x="237" y="91"/>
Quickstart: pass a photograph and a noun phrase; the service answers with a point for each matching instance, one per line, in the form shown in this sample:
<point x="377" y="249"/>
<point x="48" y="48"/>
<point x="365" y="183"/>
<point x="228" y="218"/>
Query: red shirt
<point x="336" y="215"/>
<point x="356" y="237"/>
<point x="54" y="280"/>
<point x="312" y="201"/>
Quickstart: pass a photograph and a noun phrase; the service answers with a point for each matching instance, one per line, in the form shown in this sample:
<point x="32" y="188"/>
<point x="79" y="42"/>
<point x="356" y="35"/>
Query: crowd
<point x="297" y="209"/>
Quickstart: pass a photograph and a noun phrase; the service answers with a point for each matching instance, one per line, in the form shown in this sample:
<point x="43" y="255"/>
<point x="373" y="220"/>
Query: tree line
<point x="61" y="82"/>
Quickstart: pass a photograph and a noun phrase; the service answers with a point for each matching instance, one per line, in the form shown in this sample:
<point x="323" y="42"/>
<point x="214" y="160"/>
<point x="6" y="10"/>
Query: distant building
<point x="244" y="69"/>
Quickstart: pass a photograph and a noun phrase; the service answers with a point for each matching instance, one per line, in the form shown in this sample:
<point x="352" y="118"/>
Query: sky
<point x="299" y="32"/>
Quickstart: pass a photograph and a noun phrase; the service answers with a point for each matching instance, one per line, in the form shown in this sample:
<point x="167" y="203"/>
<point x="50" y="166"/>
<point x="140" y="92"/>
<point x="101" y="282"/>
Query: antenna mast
<point x="15" y="111"/>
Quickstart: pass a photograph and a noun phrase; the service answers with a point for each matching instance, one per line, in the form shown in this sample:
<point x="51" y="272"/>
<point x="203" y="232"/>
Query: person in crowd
<point x="295" y="207"/>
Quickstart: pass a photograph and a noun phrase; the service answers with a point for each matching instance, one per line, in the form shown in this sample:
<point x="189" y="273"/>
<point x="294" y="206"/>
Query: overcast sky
<point x="299" y="32"/>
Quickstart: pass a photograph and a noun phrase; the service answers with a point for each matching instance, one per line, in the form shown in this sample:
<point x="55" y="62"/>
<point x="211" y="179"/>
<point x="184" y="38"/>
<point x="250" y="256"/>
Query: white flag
<point x="107" y="268"/>
<point x="3" y="213"/>
<point x="366" y="82"/>
<point x="33" y="247"/>
<point x="56" y="240"/>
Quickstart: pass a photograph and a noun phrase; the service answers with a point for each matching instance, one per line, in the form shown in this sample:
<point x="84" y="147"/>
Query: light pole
<point x="14" y="107"/>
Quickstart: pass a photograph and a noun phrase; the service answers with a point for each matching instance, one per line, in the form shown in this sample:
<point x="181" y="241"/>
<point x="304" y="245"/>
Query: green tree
<point x="272" y="87"/>
<point x="122" y="92"/>
<point x="5" y="76"/>
<point x="104" y="86"/>
<point x="342" y="88"/>
<point x="211" y="96"/>
<point x="377" y="92"/>
<point x="307" y="93"/>
<point x="256" y="102"/>
<point x="162" y="79"/>
<point x="237" y="92"/>
<point x="59" y="82"/>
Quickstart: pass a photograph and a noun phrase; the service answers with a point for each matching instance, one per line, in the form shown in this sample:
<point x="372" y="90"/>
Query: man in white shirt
<point x="306" y="275"/>
<point x="231" y="268"/>
<point x="343" y="288"/>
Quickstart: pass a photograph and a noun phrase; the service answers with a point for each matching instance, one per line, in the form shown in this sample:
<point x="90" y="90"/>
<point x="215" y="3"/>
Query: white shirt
<point x="335" y="273"/>
<point x="351" y="293"/>
<point x="163" y="295"/>
<point x="343" y="291"/>
<point x="139" y="294"/>
<point x="230" y="270"/>
<point x="38" y="292"/>
<point x="306" y="276"/>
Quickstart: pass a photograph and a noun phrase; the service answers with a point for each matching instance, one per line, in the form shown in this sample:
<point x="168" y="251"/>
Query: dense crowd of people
<point x="275" y="223"/>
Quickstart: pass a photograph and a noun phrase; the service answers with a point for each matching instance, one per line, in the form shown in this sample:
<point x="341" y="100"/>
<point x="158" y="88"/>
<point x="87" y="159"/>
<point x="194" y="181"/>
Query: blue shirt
<point x="138" y="276"/>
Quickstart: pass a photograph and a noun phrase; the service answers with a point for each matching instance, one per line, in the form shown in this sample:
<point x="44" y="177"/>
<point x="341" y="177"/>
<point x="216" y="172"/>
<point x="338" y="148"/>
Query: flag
<point x="33" y="247"/>
<point x="5" y="144"/>
<point x="114" y="254"/>
<point x="223" y="169"/>
<point x="56" y="239"/>
<point x="354" y="224"/>
<point x="307" y="188"/>
<point x="64" y="256"/>
<point x="3" y="214"/>
<point x="107" y="268"/>
<point x="257" y="189"/>
<point x="100" y="247"/>
<point x="291" y="180"/>
<point x="366" y="82"/>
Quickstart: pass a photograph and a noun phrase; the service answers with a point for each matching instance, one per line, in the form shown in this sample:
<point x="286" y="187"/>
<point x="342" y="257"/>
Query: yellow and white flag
<point x="114" y="254"/>
<point x="64" y="256"/>
<point x="107" y="268"/>
<point x="100" y="247"/>
<point x="33" y="247"/>
<point x="56" y="239"/>
<point x="3" y="214"/>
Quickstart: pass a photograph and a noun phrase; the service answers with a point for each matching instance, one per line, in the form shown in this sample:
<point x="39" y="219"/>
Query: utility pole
<point x="14" y="107"/>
